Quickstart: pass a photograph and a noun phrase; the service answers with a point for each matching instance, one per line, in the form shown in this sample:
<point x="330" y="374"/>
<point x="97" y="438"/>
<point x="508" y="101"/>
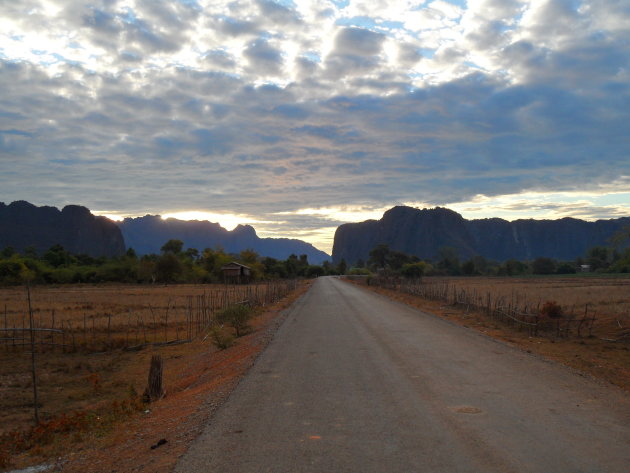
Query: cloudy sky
<point x="299" y="115"/>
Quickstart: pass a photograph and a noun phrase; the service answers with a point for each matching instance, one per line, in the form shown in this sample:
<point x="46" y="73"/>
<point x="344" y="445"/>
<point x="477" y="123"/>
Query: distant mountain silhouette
<point x="147" y="235"/>
<point x="24" y="225"/>
<point x="424" y="232"/>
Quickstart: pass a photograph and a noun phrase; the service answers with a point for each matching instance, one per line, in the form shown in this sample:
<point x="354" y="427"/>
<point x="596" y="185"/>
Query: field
<point x="93" y="343"/>
<point x="601" y="305"/>
<point x="607" y="300"/>
<point x="94" y="365"/>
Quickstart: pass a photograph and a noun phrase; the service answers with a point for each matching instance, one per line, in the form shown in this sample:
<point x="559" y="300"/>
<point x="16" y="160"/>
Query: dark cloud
<point x="256" y="122"/>
<point x="278" y="14"/>
<point x="356" y="51"/>
<point x="358" y="42"/>
<point x="215" y="141"/>
<point x="294" y="112"/>
<point x="263" y="58"/>
<point x="408" y="54"/>
<point x="235" y="27"/>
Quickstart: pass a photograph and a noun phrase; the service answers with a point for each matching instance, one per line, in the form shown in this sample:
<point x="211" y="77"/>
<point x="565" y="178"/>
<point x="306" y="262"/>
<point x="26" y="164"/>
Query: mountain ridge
<point x="147" y="235"/>
<point x="422" y="232"/>
<point x="74" y="227"/>
<point x="23" y="225"/>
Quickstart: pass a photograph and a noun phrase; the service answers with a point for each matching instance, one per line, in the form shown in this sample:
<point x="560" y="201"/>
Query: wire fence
<point x="179" y="320"/>
<point x="515" y="311"/>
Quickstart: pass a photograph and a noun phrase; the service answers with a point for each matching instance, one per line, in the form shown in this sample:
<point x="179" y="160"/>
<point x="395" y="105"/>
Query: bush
<point x="236" y="316"/>
<point x="414" y="270"/>
<point x="221" y="339"/>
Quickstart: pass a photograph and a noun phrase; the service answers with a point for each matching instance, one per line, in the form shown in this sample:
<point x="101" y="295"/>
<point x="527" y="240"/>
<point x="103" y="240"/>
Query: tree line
<point x="599" y="259"/>
<point x="174" y="264"/>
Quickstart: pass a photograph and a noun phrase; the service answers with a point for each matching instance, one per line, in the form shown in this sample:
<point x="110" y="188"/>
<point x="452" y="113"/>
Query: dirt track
<point x="355" y="382"/>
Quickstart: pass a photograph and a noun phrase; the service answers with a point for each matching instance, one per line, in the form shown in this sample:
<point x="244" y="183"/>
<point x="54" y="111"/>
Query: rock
<point x="24" y="225"/>
<point x="424" y="232"/>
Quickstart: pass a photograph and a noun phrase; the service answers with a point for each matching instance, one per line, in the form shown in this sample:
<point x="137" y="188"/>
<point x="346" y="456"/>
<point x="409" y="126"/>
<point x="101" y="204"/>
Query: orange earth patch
<point x="198" y="378"/>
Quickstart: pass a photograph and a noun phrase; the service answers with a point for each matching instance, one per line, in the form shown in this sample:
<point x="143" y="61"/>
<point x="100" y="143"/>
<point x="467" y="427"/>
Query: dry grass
<point x="606" y="298"/>
<point x="83" y="380"/>
<point x="98" y="318"/>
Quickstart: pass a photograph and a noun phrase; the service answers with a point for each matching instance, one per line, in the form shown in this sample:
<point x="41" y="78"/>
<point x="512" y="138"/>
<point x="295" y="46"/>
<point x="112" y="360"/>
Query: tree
<point x="565" y="268"/>
<point x="512" y="267"/>
<point x="315" y="271"/>
<point x="168" y="267"/>
<point x="248" y="257"/>
<point x="543" y="265"/>
<point x="396" y="259"/>
<point x="173" y="246"/>
<point x="342" y="266"/>
<point x="291" y="266"/>
<point x="378" y="256"/>
<point x="449" y="261"/>
<point x="274" y="268"/>
<point x="13" y="271"/>
<point x="414" y="270"/>
<point x="213" y="260"/>
<point x="7" y="252"/>
<point x="57" y="256"/>
<point x="192" y="254"/>
<point x="598" y="257"/>
<point x="30" y="252"/>
<point x="468" y="268"/>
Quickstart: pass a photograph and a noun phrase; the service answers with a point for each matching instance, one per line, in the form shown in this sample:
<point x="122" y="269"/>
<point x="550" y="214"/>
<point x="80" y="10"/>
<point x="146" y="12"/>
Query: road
<point x="354" y="382"/>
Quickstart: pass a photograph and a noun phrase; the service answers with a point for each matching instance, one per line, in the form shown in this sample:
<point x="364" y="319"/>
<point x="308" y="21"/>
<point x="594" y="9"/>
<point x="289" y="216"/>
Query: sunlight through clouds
<point x="297" y="116"/>
<point x="227" y="221"/>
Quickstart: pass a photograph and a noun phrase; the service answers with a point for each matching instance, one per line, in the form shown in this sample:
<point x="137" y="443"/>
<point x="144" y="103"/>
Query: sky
<point x="296" y="116"/>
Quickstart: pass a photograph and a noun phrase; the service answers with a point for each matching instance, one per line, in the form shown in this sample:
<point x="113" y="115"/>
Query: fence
<point x="513" y="311"/>
<point x="181" y="319"/>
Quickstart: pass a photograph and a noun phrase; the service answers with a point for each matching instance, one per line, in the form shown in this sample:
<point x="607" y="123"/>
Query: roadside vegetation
<point x="174" y="264"/>
<point x="92" y="347"/>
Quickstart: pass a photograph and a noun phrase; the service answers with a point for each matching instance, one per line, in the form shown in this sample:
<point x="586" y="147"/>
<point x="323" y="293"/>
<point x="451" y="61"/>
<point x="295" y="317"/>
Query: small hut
<point x="235" y="273"/>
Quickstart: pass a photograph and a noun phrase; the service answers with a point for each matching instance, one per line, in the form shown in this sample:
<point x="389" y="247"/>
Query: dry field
<point x="99" y="318"/>
<point x="607" y="299"/>
<point x="103" y="338"/>
<point x="93" y="417"/>
<point x="602" y="352"/>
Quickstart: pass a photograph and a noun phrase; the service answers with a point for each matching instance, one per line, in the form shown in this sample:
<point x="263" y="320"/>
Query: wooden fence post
<point x="154" y="389"/>
<point x="33" y="370"/>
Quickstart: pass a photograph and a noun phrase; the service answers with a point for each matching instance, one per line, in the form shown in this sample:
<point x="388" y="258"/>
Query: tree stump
<point x="154" y="390"/>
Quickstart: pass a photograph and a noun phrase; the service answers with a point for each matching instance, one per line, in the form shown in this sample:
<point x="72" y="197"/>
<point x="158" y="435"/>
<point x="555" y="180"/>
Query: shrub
<point x="220" y="338"/>
<point x="414" y="270"/>
<point x="236" y="316"/>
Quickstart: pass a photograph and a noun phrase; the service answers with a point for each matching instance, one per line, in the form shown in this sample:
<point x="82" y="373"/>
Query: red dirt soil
<point x="199" y="389"/>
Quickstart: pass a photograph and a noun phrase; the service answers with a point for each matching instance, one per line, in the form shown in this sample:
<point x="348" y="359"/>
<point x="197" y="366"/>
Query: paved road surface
<point x="353" y="382"/>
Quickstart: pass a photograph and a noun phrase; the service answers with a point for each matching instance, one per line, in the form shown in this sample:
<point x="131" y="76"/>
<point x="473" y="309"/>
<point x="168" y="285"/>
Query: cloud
<point x="263" y="58"/>
<point x="264" y="107"/>
<point x="278" y="14"/>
